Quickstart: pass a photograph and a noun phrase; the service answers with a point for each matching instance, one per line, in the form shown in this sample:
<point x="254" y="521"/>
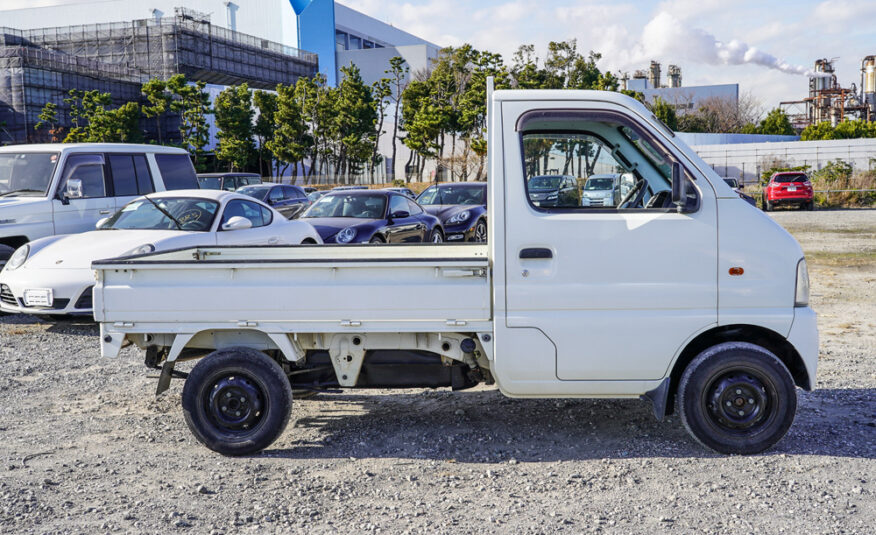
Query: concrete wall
<point x="375" y="61"/>
<point x="747" y="160"/>
<point x="728" y="139"/>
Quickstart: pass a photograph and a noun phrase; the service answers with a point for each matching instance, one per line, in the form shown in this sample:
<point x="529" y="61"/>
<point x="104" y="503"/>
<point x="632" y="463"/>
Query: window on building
<point x="367" y="44"/>
<point x="355" y="43"/>
<point x="340" y="41"/>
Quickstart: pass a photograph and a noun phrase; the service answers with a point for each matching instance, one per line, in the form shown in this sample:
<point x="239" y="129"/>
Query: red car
<point x="789" y="187"/>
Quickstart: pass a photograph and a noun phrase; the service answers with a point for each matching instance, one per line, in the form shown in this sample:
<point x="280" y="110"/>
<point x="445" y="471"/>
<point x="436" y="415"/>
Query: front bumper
<point x="461" y="233"/>
<point x="804" y="337"/>
<point x="71" y="290"/>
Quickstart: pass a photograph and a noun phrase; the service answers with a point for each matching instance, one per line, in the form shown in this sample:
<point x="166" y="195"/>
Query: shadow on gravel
<point x="486" y="427"/>
<point x="75" y="325"/>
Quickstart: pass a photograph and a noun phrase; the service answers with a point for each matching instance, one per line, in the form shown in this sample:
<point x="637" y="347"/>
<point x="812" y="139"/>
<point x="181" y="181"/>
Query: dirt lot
<point x="86" y="448"/>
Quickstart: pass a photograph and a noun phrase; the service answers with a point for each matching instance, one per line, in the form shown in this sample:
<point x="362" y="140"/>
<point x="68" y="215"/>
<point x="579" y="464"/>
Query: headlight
<point x="346" y="235"/>
<point x="552" y="195"/>
<point x="143" y="249"/>
<point x="801" y="296"/>
<point x="18" y="257"/>
<point x="461" y="217"/>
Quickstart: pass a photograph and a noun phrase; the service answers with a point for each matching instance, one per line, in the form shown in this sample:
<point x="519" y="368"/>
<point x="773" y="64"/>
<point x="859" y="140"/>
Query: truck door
<point x="83" y="197"/>
<point x="616" y="290"/>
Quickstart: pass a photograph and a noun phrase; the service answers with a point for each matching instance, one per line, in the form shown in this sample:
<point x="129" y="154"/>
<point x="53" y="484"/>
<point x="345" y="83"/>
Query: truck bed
<point x="306" y="288"/>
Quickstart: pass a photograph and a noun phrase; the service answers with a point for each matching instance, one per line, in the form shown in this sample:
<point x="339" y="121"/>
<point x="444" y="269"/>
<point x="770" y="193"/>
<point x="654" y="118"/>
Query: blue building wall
<point x="316" y="33"/>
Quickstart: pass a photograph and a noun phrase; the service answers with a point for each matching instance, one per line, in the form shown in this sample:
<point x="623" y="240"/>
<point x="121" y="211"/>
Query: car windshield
<point x="790" y="178"/>
<point x="254" y="191"/>
<point x="192" y="213"/>
<point x="313" y="197"/>
<point x="26" y="173"/>
<point x="544" y="182"/>
<point x="453" y="195"/>
<point x="339" y="205"/>
<point x="599" y="183"/>
<point x="731" y="182"/>
<point x="210" y="182"/>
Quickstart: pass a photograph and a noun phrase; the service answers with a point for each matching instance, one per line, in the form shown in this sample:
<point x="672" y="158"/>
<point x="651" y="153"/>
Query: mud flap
<point x="164" y="378"/>
<point x="658" y="398"/>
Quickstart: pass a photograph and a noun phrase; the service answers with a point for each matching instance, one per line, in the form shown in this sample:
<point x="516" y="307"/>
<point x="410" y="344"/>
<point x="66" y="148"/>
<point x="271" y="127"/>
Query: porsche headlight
<point x="18" y="257"/>
<point x="143" y="249"/>
<point x="346" y="236"/>
<point x="461" y="217"/>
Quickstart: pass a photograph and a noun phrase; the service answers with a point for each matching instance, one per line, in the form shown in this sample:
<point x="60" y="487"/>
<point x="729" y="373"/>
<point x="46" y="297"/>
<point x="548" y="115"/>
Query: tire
<point x="743" y="378"/>
<point x="376" y="239"/>
<point x="766" y="205"/>
<point x="436" y="236"/>
<point x="256" y="389"/>
<point x="480" y="233"/>
<point x="810" y="206"/>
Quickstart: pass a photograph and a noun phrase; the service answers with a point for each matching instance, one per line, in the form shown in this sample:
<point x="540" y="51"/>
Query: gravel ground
<point x="86" y="448"/>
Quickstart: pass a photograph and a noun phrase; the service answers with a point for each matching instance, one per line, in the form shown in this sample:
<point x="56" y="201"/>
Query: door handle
<point x="104" y="212"/>
<point x="533" y="253"/>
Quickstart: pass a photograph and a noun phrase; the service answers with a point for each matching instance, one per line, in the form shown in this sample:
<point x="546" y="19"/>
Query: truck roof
<point x="87" y="147"/>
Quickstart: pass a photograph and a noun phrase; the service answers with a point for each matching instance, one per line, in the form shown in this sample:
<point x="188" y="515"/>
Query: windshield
<point x="453" y="195"/>
<point x="255" y="192"/>
<point x="28" y="173"/>
<point x="192" y="213"/>
<point x="599" y="183"/>
<point x="544" y="182"/>
<point x="790" y="178"/>
<point x="359" y="206"/>
<point x="210" y="182"/>
<point x="731" y="182"/>
<point x="315" y="195"/>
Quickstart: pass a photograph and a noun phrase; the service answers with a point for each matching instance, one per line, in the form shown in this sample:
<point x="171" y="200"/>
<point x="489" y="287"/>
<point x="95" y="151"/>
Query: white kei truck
<point x="683" y="295"/>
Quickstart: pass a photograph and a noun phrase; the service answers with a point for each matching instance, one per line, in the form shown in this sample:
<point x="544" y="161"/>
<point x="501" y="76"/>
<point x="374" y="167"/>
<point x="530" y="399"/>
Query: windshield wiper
<point x="21" y="191"/>
<point x="165" y="212"/>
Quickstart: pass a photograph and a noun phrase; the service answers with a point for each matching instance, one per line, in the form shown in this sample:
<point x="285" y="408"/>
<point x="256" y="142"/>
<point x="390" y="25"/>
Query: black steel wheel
<point x="237" y="401"/>
<point x="737" y="398"/>
<point x="480" y="232"/>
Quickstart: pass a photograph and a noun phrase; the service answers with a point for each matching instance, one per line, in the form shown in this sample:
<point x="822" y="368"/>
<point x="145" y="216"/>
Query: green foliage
<point x="234" y="115"/>
<point x="159" y="98"/>
<point x="398" y="71"/>
<point x="845" y="130"/>
<point x="776" y="123"/>
<point x="290" y="141"/>
<point x="833" y="173"/>
<point x="352" y="131"/>
<point x="265" y="127"/>
<point x="49" y="117"/>
<point x="665" y="112"/>
<point x="192" y="104"/>
<point x="94" y="123"/>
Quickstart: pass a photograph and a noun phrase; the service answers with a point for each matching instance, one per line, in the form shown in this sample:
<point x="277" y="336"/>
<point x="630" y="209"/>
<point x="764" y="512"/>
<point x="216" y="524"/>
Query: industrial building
<point x="683" y="98"/>
<point x="828" y="101"/>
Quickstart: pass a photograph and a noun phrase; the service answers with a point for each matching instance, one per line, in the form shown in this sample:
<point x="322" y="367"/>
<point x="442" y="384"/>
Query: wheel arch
<point x="761" y="336"/>
<point x="14" y="241"/>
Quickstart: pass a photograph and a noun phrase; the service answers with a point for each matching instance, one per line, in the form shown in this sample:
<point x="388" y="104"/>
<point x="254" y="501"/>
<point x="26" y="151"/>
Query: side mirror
<point x="400" y="214"/>
<point x="73" y="189"/>
<point x="679" y="187"/>
<point x="100" y="223"/>
<point x="237" y="223"/>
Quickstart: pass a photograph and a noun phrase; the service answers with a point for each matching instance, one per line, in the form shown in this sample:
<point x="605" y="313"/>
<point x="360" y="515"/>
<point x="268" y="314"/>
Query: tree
<point x="265" y="127"/>
<point x="525" y="73"/>
<point x="291" y="140"/>
<point x="665" y="112"/>
<point x="398" y="71"/>
<point x="422" y="124"/>
<point x="234" y="114"/>
<point x="49" y="117"/>
<point x="193" y="105"/>
<point x="381" y="91"/>
<point x="120" y="125"/>
<point x="352" y="130"/>
<point x="776" y="123"/>
<point x="159" y="98"/>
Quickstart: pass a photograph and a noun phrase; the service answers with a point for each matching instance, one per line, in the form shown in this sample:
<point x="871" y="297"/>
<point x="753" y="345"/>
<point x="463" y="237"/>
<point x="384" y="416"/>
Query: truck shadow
<point x="486" y="427"/>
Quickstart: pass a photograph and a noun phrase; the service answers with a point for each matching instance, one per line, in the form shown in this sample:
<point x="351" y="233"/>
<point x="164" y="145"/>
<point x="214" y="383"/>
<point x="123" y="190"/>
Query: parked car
<point x="601" y="190"/>
<point x="788" y="188"/>
<point x="347" y="188"/>
<point x="66" y="188"/>
<point x="733" y="183"/>
<point x="404" y="191"/>
<point x="309" y="189"/>
<point x="314" y="196"/>
<point x="227" y="181"/>
<point x="461" y="207"/>
<point x="52" y="275"/>
<point x="554" y="190"/>
<point x="373" y="216"/>
<point x="291" y="201"/>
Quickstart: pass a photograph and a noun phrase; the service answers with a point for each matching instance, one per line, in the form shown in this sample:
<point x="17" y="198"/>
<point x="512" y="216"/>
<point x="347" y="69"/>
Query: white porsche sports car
<point x="52" y="275"/>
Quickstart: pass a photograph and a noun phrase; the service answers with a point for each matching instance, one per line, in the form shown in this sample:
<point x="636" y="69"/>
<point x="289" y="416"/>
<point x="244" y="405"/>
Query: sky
<point x="766" y="46"/>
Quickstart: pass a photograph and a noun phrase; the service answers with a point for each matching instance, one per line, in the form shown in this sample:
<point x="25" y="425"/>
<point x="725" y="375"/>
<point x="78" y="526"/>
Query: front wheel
<point x="480" y="233"/>
<point x="737" y="398"/>
<point x="237" y="401"/>
<point x="437" y="236"/>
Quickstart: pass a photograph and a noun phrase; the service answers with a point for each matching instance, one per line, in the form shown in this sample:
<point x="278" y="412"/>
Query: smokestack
<point x="654" y="75"/>
<point x="674" y="76"/>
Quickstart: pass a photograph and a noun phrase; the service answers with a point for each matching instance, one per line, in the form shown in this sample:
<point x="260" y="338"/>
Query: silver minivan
<point x="48" y="189"/>
<point x="601" y="190"/>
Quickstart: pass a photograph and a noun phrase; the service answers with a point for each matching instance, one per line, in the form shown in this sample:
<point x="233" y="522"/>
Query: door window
<point x="563" y="150"/>
<point x="414" y="208"/>
<point x="144" y="176"/>
<point x="177" y="171"/>
<point x="88" y="170"/>
<point x="124" y="175"/>
<point x="398" y="203"/>
<point x="257" y="214"/>
<point x="277" y="195"/>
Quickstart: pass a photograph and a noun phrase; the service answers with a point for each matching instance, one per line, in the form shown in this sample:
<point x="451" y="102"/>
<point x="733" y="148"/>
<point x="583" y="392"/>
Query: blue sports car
<point x="461" y="207"/>
<point x="372" y="216"/>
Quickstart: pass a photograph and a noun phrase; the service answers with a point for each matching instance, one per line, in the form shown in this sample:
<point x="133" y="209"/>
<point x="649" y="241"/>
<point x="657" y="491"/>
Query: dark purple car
<point x="372" y="216"/>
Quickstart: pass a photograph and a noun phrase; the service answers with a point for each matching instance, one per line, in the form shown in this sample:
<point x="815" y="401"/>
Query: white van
<point x="66" y="188"/>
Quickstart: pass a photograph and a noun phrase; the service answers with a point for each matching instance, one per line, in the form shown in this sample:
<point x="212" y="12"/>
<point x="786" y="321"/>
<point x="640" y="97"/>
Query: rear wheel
<point x="810" y="205"/>
<point x="237" y="401"/>
<point x="766" y="205"/>
<point x="737" y="398"/>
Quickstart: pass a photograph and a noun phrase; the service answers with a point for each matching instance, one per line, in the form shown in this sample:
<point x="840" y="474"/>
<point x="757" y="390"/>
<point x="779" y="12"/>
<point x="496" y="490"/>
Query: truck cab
<point x="681" y="294"/>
